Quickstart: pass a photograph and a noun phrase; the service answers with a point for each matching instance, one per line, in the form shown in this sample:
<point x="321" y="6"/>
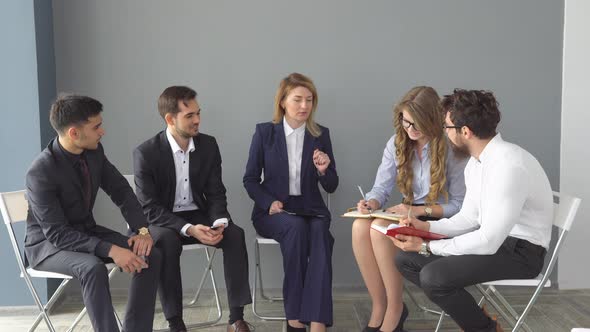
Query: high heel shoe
<point x="402" y="319"/>
<point x="371" y="329"/>
<point x="295" y="329"/>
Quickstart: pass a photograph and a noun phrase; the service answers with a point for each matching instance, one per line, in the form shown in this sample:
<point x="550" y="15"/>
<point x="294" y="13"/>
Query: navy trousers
<point x="306" y="244"/>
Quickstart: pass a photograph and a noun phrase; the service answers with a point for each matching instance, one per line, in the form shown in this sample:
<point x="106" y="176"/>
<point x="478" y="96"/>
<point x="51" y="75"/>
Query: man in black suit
<point x="178" y="182"/>
<point x="62" y="235"/>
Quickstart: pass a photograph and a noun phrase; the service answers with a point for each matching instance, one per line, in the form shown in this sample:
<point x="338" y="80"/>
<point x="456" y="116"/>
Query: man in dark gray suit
<point x="178" y="181"/>
<point x="62" y="235"/>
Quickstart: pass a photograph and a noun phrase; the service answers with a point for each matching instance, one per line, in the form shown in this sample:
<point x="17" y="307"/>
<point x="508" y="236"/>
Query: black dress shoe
<point x="176" y="324"/>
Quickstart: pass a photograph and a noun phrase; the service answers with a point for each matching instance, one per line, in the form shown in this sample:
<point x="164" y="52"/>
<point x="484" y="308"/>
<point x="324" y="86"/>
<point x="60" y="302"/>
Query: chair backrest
<point x="565" y="209"/>
<point x="131" y="179"/>
<point x="564" y="212"/>
<point x="14" y="206"/>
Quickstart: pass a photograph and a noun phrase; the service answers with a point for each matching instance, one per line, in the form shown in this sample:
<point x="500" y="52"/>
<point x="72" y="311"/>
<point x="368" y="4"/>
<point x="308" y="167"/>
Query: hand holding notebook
<point x="394" y="229"/>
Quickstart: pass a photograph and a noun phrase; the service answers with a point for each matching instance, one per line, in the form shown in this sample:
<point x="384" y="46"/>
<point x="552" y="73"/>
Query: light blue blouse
<point x="385" y="180"/>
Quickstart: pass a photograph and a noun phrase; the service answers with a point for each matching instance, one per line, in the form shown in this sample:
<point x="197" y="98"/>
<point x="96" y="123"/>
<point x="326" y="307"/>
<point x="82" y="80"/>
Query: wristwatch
<point x="428" y="211"/>
<point x="143" y="231"/>
<point x="425" y="249"/>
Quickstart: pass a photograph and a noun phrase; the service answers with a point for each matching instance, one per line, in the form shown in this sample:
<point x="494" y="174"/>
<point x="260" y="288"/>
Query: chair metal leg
<point x="262" y="294"/>
<point x="208" y="271"/>
<point x="512" y="316"/>
<point x="518" y="320"/>
<point x="43" y="309"/>
<point x="423" y="308"/>
<point x="204" y="277"/>
<point x="258" y="281"/>
<point x="440" y="320"/>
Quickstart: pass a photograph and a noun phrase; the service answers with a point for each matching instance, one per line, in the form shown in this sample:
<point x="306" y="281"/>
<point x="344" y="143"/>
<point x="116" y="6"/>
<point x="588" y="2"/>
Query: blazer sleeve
<point x="214" y="190"/>
<point x="44" y="203"/>
<point x="114" y="184"/>
<point x="147" y="193"/>
<point x="329" y="180"/>
<point x="254" y="167"/>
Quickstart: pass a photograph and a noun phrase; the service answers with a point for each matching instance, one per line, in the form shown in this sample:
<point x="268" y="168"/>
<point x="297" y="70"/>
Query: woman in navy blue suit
<point x="294" y="154"/>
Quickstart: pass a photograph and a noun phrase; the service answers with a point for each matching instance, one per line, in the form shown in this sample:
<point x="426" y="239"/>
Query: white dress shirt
<point x="183" y="196"/>
<point x="508" y="194"/>
<point x="294" y="138"/>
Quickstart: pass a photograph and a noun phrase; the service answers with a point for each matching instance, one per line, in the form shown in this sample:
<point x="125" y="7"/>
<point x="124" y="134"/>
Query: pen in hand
<point x="365" y="199"/>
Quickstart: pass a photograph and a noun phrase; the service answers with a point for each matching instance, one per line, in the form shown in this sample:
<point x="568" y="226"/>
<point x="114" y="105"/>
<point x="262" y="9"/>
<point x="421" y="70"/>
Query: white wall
<point x="575" y="136"/>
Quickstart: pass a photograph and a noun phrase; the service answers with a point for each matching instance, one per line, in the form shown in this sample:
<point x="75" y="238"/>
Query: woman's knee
<point x="361" y="229"/>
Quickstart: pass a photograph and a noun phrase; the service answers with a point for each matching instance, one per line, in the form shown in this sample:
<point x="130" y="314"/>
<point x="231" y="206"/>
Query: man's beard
<point x="185" y="134"/>
<point x="460" y="151"/>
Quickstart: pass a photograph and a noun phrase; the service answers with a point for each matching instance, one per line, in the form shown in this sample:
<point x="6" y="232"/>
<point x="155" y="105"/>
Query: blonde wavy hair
<point x="423" y="104"/>
<point x="289" y="83"/>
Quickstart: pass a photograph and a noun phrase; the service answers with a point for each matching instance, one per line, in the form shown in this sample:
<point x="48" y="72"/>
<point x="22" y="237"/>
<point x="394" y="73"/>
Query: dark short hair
<point x="72" y="110"/>
<point x="475" y="109"/>
<point x="168" y="101"/>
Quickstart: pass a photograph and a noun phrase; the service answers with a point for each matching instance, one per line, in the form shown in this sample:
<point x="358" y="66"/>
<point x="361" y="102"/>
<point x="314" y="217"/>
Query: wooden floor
<point x="555" y="311"/>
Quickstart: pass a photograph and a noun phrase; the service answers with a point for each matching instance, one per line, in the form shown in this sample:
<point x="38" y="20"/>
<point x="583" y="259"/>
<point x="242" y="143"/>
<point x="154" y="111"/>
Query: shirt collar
<point x="489" y="148"/>
<point x="73" y="158"/>
<point x="174" y="145"/>
<point x="289" y="130"/>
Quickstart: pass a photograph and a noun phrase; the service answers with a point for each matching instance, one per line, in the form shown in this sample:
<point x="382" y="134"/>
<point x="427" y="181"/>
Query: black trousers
<point x="235" y="263"/>
<point x="93" y="276"/>
<point x="443" y="279"/>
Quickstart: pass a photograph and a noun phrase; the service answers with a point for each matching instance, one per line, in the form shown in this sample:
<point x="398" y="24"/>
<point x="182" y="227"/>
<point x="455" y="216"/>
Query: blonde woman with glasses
<point x="420" y="163"/>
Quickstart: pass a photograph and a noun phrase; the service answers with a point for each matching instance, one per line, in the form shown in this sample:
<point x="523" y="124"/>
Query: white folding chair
<point x="258" y="279"/>
<point x="14" y="208"/>
<point x="208" y="271"/>
<point x="261" y="240"/>
<point x="565" y="209"/>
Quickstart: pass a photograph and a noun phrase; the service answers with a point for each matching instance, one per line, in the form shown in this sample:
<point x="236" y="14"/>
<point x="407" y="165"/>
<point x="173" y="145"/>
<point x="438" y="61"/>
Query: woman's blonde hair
<point x="289" y="83"/>
<point x="423" y="104"/>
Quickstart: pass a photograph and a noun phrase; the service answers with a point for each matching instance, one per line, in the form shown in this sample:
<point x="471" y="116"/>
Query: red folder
<point x="394" y="229"/>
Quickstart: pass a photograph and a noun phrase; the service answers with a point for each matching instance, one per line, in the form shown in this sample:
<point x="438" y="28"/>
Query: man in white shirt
<point x="503" y="228"/>
<point x="178" y="180"/>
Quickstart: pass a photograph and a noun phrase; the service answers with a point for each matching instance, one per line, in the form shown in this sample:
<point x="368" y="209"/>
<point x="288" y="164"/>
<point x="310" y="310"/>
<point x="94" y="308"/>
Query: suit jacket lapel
<point x="167" y="169"/>
<point x="66" y="165"/>
<point x="307" y="155"/>
<point x="93" y="160"/>
<point x="281" y="141"/>
<point x="195" y="165"/>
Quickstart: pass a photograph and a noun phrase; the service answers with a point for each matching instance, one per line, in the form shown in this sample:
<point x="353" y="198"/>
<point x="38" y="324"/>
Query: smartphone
<point x="218" y="223"/>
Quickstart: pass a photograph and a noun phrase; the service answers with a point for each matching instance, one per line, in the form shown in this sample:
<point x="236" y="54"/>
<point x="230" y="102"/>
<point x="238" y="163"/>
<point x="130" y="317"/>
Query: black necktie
<point x="86" y="185"/>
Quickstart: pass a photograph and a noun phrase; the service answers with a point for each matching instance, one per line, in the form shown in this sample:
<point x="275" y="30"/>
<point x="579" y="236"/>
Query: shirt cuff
<point x="436" y="247"/>
<point x="184" y="229"/>
<point x="377" y="198"/>
<point x="102" y="249"/>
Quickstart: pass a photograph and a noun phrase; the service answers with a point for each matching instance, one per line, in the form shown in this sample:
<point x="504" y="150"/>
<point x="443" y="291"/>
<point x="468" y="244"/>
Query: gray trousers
<point x="91" y="271"/>
<point x="443" y="279"/>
